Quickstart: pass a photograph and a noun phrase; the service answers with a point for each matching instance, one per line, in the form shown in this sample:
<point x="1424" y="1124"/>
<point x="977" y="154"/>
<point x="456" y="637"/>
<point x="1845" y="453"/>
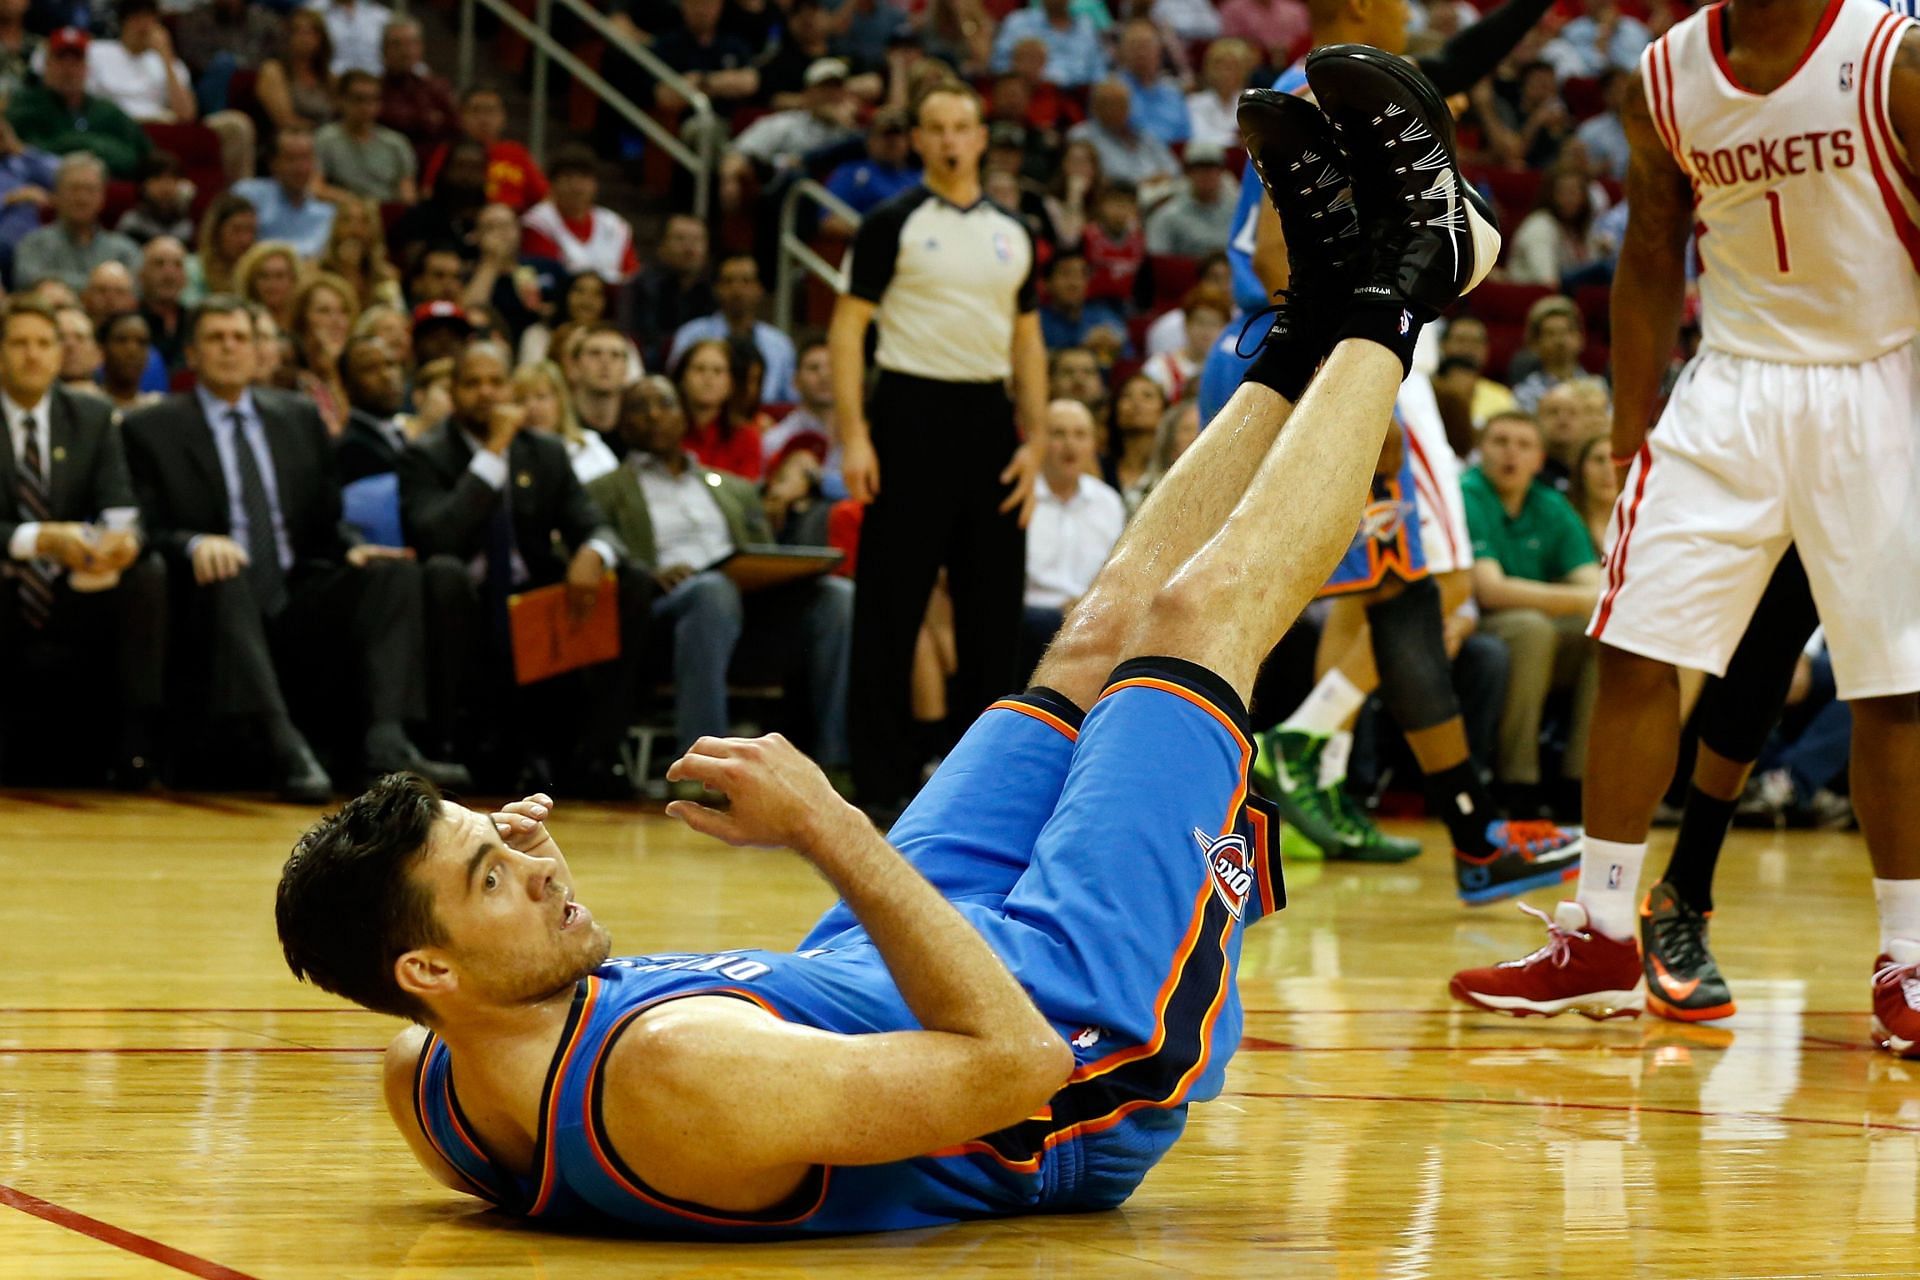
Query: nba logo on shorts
<point x="1230" y="867"/>
<point x="1406" y="322"/>
<point x="1846" y="77"/>
<point x="1613" y="876"/>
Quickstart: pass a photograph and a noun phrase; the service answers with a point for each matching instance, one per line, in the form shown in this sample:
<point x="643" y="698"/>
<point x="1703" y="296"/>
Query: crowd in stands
<point x="375" y="227"/>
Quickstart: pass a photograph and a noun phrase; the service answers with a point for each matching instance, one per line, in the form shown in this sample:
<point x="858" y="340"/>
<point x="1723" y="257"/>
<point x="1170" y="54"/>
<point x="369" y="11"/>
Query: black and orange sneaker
<point x="1683" y="982"/>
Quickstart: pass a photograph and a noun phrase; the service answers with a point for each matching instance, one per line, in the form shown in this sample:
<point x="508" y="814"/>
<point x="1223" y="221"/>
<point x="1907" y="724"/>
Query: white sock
<point x="1610" y="883"/>
<point x="1333" y="759"/>
<point x="1899" y="911"/>
<point x="1333" y="702"/>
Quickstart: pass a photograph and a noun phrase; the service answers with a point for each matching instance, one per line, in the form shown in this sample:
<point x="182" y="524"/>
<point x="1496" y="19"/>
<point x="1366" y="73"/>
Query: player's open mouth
<point x="572" y="914"/>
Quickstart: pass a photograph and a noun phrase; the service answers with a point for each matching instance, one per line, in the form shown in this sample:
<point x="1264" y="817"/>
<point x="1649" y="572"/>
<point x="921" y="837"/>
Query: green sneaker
<point x="1360" y="839"/>
<point x="1321" y="822"/>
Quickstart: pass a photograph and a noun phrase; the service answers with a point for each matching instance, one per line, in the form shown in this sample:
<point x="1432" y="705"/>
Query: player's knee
<point x="1898" y="710"/>
<point x="1626" y="675"/>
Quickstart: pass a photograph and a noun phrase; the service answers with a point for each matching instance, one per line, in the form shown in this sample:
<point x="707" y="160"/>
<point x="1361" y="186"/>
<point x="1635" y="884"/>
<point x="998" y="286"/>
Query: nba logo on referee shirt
<point x="1230" y="867"/>
<point x="1002" y="246"/>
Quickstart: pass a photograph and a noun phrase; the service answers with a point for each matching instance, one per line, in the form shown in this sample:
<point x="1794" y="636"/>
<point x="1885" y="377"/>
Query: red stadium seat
<point x="1595" y="356"/>
<point x="1501" y="302"/>
<point x="1173" y="275"/>
<point x="1582" y="96"/>
<point x="1594" y="301"/>
<point x="1514" y="193"/>
<point x="1503" y="340"/>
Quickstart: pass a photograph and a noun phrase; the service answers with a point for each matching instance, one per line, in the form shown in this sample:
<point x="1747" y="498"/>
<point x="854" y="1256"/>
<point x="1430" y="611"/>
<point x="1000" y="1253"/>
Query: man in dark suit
<point x="376" y="387"/>
<point x="503" y="504"/>
<point x="238" y="489"/>
<point x="80" y="597"/>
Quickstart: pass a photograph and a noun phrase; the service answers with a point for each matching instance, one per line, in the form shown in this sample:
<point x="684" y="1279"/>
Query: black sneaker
<point x="1432" y="237"/>
<point x="1683" y="982"/>
<point x="1298" y="158"/>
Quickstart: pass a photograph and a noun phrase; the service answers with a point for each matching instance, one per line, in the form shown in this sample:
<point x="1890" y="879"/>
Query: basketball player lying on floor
<point x="1015" y="1002"/>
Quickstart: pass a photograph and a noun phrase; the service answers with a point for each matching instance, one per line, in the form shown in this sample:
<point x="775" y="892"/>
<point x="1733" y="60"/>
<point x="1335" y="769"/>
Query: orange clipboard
<point x="547" y="641"/>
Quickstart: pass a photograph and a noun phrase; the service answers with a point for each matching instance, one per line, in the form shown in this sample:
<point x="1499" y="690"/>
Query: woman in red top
<point x="723" y="433"/>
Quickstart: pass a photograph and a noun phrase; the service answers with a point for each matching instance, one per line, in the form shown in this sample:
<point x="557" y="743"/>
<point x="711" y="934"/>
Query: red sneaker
<point x="1578" y="969"/>
<point x="1896" y="999"/>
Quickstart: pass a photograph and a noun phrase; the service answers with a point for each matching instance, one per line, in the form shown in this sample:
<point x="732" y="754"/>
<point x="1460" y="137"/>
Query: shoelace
<point x="1559" y="948"/>
<point x="1271" y="309"/>
<point x="1532" y="835"/>
<point x="1678" y="936"/>
<point x="1906" y="976"/>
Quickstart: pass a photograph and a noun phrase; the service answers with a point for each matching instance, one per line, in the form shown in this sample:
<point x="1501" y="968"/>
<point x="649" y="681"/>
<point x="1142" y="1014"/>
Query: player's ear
<point x="424" y="973"/>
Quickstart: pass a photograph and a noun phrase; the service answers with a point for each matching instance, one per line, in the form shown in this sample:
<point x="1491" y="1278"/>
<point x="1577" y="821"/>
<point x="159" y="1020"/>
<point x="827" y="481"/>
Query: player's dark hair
<point x="348" y="907"/>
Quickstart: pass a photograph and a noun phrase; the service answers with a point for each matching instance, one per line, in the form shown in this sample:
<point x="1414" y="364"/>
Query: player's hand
<point x="1022" y="474"/>
<point x="217" y="558"/>
<point x="777" y="797"/>
<point x="523" y="826"/>
<point x="860" y="467"/>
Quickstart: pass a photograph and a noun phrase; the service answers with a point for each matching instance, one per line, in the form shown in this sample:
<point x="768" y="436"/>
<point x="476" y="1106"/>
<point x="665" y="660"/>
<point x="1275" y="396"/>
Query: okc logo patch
<point x="1381" y="520"/>
<point x="1229" y="866"/>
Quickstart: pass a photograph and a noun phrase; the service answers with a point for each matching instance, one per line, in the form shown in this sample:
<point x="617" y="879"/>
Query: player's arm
<point x="1649" y="285"/>
<point x="397" y="1078"/>
<point x="1903" y="91"/>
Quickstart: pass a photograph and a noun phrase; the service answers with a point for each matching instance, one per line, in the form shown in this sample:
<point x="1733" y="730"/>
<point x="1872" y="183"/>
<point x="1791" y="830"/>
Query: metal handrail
<point x="793" y="250"/>
<point x="698" y="160"/>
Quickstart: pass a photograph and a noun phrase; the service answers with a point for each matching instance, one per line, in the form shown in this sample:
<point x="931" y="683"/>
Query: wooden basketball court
<point x="172" y="1102"/>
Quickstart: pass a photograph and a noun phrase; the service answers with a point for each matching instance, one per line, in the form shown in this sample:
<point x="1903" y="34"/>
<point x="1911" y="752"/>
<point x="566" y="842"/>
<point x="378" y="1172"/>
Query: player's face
<point x="1388" y="24"/>
<point x="514" y="934"/>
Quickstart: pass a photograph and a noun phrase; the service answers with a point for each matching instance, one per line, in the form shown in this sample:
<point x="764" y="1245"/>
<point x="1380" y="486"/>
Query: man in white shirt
<point x="1076" y="521"/>
<point x="356" y="27"/>
<point x="138" y="72"/>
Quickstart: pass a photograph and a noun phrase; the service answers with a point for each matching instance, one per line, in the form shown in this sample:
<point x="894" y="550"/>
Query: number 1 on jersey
<point x="1779" y="233"/>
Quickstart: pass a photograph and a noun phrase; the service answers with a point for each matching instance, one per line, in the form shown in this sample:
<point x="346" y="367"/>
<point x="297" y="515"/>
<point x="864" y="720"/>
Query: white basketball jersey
<point x="1806" y="206"/>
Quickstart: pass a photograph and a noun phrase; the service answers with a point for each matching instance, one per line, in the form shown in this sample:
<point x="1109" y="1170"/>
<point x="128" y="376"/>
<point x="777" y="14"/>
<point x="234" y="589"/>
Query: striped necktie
<point x="35" y="576"/>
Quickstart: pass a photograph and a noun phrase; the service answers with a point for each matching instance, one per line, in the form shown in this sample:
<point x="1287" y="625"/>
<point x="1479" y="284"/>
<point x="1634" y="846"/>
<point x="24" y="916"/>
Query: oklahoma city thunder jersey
<point x="1807" y="219"/>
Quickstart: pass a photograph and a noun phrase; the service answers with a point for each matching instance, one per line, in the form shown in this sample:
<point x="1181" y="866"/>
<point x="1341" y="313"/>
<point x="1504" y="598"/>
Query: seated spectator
<point x="1070" y="196"/>
<point x="719" y="434"/>
<point x="1528" y="132"/>
<point x="1536" y="580"/>
<point x="679" y="520"/>
<point x="1211" y="108"/>
<point x="518" y="288"/>
<point x="571" y="229"/>
<point x="1069" y="319"/>
<point x="228" y="229"/>
<point x="503" y="506"/>
<point x="80" y="357"/>
<point x="1169" y="332"/>
<point x="1133" y="424"/>
<point x="1198" y="217"/>
<point x="109" y="292"/>
<point x="323" y="312"/>
<point x="887" y="170"/>
<point x="1278" y="28"/>
<point x="595" y="360"/>
<point x="295" y="87"/>
<point x="1557" y="238"/>
<point x="514" y="177"/>
<point x="1466" y="339"/>
<point x="1603" y="136"/>
<point x="1600" y="40"/>
<point x="60" y="116"/>
<point x="288" y="203"/>
<point x="392" y="325"/>
<point x="582" y="303"/>
<point x="450" y="214"/>
<point x="375" y="436"/>
<point x="138" y="72"/>
<point x="1555" y="337"/>
<point x="359" y="157"/>
<point x="1159" y="105"/>
<point x="269" y="274"/>
<point x="717" y="64"/>
<point x="810" y="426"/>
<point x="1114" y="245"/>
<point x="866" y="32"/>
<point x="1206" y="310"/>
<point x="19" y="48"/>
<point x="674" y="288"/>
<point x="777" y="143"/>
<point x="440" y="331"/>
<point x="804" y="40"/>
<point x="1024" y="95"/>
<point x="541" y="389"/>
<point x="737" y="290"/>
<point x="1126" y="154"/>
<point x="1077" y="518"/>
<point x="1073" y="373"/>
<point x="1179" y="427"/>
<point x="1570" y="415"/>
<point x="438" y="276"/>
<point x="26" y="185"/>
<point x="269" y="348"/>
<point x="163" y="284"/>
<point x="960" y="33"/>
<point x="1001" y="183"/>
<point x="243" y="34"/>
<point x="1594" y="489"/>
<point x="74" y="243"/>
<point x="414" y="102"/>
<point x="1189" y="20"/>
<point x="357" y="252"/>
<point x="356" y="29"/>
<point x="1075" y="54"/>
<point x="126" y="352"/>
<point x="165" y="206"/>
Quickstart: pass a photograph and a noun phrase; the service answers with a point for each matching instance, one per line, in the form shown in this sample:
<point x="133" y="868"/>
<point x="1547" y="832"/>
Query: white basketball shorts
<point x="1444" y="539"/>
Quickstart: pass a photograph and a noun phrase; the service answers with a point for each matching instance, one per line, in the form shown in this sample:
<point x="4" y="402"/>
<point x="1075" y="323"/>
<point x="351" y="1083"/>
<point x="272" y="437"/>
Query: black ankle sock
<point x="1457" y="798"/>
<point x="1395" y="326"/>
<point x="1696" y="850"/>
<point x="1287" y="363"/>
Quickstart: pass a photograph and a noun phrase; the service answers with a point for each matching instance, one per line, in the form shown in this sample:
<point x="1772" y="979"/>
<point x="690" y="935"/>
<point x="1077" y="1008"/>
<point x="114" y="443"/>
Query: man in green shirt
<point x="60" y="116"/>
<point x="1536" y="578"/>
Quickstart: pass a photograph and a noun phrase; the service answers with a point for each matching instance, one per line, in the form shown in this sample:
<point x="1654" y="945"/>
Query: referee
<point x="936" y="454"/>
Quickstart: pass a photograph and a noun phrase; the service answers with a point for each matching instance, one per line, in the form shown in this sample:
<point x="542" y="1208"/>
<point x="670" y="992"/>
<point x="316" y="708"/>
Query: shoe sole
<point x="1297" y="848"/>
<point x="1376" y="856"/>
<point x="1681" y="1013"/>
<point x="1514" y="888"/>
<point x="1482" y="234"/>
<point x="1596" y="1006"/>
<point x="1893" y="1044"/>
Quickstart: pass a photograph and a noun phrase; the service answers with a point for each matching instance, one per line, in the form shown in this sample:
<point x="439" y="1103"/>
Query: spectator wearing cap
<point x="414" y="102"/>
<point x="738" y="291"/>
<point x="356" y="28"/>
<point x="1198" y="218"/>
<point x="1211" y="108"/>
<point x="26" y="185"/>
<point x="1159" y="105"/>
<point x="717" y="64"/>
<point x="1075" y="54"/>
<point x="1126" y="154"/>
<point x="1277" y="27"/>
<point x="60" y="116"/>
<point x="1555" y="338"/>
<point x="358" y="155"/>
<point x="439" y="329"/>
<point x="777" y="143"/>
<point x="74" y="243"/>
<point x="288" y="202"/>
<point x="514" y="177"/>
<point x="571" y="229"/>
<point x="1069" y="319"/>
<point x="884" y="173"/>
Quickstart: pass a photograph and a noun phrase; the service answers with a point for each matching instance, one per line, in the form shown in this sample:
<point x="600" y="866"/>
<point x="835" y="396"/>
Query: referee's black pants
<point x="941" y="448"/>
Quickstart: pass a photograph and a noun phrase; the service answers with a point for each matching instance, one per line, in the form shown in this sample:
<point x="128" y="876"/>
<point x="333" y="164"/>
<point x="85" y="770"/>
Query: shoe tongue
<point x="1903" y="951"/>
<point x="1571" y="916"/>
